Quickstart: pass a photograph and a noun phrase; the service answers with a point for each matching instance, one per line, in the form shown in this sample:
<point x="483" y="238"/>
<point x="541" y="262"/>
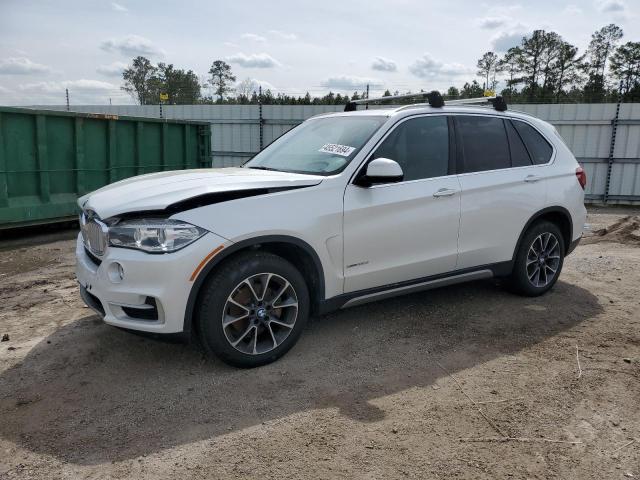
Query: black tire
<point x="226" y="281"/>
<point x="524" y="268"/>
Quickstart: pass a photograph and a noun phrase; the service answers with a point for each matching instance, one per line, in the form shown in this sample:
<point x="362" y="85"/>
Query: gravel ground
<point x="423" y="386"/>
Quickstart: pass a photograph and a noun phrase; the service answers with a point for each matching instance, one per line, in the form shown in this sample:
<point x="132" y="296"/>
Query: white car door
<point x="408" y="230"/>
<point x="501" y="188"/>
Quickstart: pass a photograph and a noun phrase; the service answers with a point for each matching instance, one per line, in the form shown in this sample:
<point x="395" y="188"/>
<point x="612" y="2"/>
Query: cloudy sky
<point x="289" y="46"/>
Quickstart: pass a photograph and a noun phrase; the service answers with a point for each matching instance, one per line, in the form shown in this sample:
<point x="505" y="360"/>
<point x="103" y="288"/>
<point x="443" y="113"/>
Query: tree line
<point x="547" y="68"/>
<point x="543" y="68"/>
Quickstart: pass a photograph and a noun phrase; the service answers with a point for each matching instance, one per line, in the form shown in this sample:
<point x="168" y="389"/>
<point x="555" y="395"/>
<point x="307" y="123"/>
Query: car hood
<point x="157" y="191"/>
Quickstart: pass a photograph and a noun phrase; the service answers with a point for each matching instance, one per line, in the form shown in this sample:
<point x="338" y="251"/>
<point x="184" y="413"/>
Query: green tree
<point x="511" y="63"/>
<point x="471" y="90"/>
<point x="601" y="46"/>
<point x="625" y="66"/>
<point x="567" y="68"/>
<point x="548" y="60"/>
<point x="453" y="92"/>
<point x="183" y="88"/>
<point x="487" y="65"/>
<point x="221" y="78"/>
<point x="137" y="79"/>
<point x="531" y="61"/>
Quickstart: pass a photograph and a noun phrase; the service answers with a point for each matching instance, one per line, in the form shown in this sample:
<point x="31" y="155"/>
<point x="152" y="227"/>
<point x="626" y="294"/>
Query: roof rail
<point x="434" y="99"/>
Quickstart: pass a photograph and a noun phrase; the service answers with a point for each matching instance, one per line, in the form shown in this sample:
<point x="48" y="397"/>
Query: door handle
<point x="532" y="178"/>
<point x="445" y="192"/>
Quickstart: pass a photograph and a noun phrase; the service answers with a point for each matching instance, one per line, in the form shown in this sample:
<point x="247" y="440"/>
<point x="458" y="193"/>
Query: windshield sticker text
<point x="336" y="149"/>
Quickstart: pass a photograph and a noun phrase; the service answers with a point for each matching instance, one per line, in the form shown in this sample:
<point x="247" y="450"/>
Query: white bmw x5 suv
<point x="344" y="209"/>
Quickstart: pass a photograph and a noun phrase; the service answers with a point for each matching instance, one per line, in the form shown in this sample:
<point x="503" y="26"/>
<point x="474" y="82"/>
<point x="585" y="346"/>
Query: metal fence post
<point x="612" y="145"/>
<point x="260" y="119"/>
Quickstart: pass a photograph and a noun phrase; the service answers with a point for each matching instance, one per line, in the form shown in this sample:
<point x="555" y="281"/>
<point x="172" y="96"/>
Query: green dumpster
<point x="49" y="158"/>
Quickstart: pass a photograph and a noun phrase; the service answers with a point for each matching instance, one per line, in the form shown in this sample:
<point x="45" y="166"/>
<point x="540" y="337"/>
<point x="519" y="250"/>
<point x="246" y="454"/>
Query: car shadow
<point x="90" y="393"/>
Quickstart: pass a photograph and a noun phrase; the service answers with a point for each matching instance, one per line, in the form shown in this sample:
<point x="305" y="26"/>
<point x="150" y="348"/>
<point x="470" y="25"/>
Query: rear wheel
<point x="253" y="310"/>
<point x="539" y="260"/>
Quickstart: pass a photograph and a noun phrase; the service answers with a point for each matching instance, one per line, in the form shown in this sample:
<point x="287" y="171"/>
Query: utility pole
<point x="67" y="95"/>
<point x="367" y="105"/>
<point x="260" y="119"/>
<point x="612" y="144"/>
<point x="163" y="98"/>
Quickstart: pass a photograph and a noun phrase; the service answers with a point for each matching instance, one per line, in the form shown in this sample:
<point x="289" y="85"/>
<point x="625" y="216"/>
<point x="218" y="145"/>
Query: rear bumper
<point x="152" y="296"/>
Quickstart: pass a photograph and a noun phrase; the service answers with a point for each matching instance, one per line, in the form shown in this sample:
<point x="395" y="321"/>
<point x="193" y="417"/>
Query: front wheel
<point x="253" y="310"/>
<point x="539" y="260"/>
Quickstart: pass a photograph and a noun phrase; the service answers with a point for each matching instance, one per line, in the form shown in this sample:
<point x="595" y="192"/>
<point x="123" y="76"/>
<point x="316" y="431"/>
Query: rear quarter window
<point x="519" y="154"/>
<point x="539" y="149"/>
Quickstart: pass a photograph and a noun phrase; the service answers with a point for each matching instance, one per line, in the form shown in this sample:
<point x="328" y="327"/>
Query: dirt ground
<point x="422" y="386"/>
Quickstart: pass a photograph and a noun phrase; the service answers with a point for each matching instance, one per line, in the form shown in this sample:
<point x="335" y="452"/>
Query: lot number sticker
<point x="336" y="149"/>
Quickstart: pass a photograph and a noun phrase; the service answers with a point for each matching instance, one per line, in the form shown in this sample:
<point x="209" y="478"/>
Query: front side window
<point x="483" y="143"/>
<point x="318" y="146"/>
<point x="421" y="147"/>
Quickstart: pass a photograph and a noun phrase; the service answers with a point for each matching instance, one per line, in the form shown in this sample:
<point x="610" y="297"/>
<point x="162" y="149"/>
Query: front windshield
<point x="318" y="146"/>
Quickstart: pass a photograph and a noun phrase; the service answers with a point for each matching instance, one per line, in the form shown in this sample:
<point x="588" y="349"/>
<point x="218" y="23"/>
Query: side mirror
<point x="381" y="170"/>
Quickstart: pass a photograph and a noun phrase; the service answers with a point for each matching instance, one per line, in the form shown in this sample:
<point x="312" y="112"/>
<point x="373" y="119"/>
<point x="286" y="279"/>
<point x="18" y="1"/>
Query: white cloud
<point x="429" y="67"/>
<point x="254" y="60"/>
<point x="283" y="35"/>
<point x="250" y="85"/>
<point x="611" y="6"/>
<point x="253" y="37"/>
<point x="119" y="8"/>
<point x="503" y="41"/>
<point x="350" y="82"/>
<point x="266" y="85"/>
<point x="4" y="90"/>
<point x="384" y="65"/>
<point x="490" y="23"/>
<point x="572" y="10"/>
<point x="81" y="92"/>
<point x="82" y="85"/>
<point x="230" y="44"/>
<point x="21" y="66"/>
<point x="131" y="46"/>
<point x="497" y="10"/>
<point x="112" y="70"/>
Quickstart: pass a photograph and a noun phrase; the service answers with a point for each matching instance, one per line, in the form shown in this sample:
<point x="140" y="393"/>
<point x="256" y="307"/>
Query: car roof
<point x="406" y="110"/>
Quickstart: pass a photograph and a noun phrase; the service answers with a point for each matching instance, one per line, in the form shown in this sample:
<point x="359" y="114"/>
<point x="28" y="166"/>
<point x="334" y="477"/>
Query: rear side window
<point x="538" y="147"/>
<point x="483" y="143"/>
<point x="421" y="147"/>
<point x="519" y="155"/>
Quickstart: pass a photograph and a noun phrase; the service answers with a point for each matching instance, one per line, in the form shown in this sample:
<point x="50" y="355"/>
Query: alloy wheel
<point x="260" y="313"/>
<point x="543" y="260"/>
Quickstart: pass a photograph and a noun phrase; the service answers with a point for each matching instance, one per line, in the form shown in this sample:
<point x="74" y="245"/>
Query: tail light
<point x="581" y="176"/>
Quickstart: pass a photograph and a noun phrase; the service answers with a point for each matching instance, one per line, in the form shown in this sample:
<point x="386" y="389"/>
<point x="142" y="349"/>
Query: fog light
<point x="115" y="272"/>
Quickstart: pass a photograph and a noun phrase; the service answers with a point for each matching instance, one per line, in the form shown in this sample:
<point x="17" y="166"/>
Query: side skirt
<point x="352" y="299"/>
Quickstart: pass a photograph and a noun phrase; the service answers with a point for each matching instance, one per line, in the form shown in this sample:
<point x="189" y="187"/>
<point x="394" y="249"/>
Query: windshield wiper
<point x="265" y="168"/>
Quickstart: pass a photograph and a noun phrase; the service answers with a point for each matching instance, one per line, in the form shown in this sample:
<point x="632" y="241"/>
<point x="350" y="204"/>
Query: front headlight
<point x="154" y="235"/>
